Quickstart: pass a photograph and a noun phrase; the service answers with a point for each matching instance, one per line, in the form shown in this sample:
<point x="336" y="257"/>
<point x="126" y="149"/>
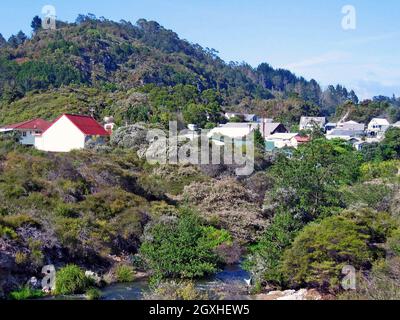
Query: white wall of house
<point x="234" y="130"/>
<point x="62" y="136"/>
<point x="282" y="140"/>
<point x="378" y="126"/>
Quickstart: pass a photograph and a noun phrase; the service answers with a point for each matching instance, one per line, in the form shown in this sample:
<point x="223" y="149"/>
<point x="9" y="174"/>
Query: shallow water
<point x="222" y="282"/>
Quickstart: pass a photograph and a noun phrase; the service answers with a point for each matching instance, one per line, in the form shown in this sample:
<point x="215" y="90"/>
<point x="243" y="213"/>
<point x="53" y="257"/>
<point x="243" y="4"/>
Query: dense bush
<point x="380" y="170"/>
<point x="381" y="283"/>
<point x="313" y="175"/>
<point x="264" y="260"/>
<point x="26" y="293"/>
<point x="179" y="248"/>
<point x="71" y="280"/>
<point x="124" y="273"/>
<point x="93" y="294"/>
<point x="321" y="250"/>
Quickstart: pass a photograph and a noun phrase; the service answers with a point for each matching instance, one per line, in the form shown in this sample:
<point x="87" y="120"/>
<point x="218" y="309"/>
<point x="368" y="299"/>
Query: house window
<point x="24" y="134"/>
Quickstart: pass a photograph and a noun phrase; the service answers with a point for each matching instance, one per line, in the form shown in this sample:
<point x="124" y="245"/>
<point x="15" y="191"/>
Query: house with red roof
<point x="71" y="132"/>
<point x="28" y="130"/>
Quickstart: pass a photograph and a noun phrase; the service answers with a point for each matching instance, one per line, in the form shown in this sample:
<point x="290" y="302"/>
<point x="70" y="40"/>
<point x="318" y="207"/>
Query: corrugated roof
<point x="35" y="124"/>
<point x="86" y="124"/>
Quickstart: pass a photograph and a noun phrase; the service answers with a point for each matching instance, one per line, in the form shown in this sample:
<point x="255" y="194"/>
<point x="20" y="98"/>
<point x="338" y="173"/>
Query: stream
<point x="228" y="283"/>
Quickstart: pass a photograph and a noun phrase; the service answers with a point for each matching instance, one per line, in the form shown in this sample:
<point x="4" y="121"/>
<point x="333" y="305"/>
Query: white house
<point x="351" y="126"/>
<point x="308" y="123"/>
<point x="28" y="130"/>
<point x="234" y="130"/>
<point x="238" y="130"/>
<point x="397" y="124"/>
<point x="70" y="132"/>
<point x="245" y="116"/>
<point x="377" y="127"/>
<point x="342" y="134"/>
<point x="282" y="140"/>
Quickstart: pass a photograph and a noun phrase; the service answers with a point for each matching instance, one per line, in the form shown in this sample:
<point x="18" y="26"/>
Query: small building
<point x="330" y="126"/>
<point x="377" y="127"/>
<point x="230" y="115"/>
<point x="243" y="116"/>
<point x="396" y="125"/>
<point x="351" y="126"/>
<point x="284" y="140"/>
<point x="251" y="118"/>
<point x="309" y="123"/>
<point x="269" y="128"/>
<point x="193" y="127"/>
<point x="234" y="130"/>
<point x="344" y="134"/>
<point x="28" y="130"/>
<point x="71" y="132"/>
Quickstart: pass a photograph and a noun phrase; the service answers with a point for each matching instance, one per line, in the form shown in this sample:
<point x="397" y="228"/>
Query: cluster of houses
<point x="71" y="132"/>
<point x="277" y="136"/>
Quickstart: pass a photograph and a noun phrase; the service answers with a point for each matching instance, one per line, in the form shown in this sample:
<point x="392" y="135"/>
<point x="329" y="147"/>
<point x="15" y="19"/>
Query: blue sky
<point x="304" y="36"/>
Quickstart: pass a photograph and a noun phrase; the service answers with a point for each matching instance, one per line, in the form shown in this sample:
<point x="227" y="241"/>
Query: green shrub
<point x="26" y="293"/>
<point x="381" y="283"/>
<point x="175" y="247"/>
<point x="71" y="280"/>
<point x="382" y="170"/>
<point x="215" y="237"/>
<point x="16" y="221"/>
<point x="7" y="232"/>
<point x="65" y="210"/>
<point x="264" y="260"/>
<point x="21" y="258"/>
<point x="321" y="250"/>
<point x="372" y="195"/>
<point x="93" y="294"/>
<point x="124" y="273"/>
<point x="394" y="242"/>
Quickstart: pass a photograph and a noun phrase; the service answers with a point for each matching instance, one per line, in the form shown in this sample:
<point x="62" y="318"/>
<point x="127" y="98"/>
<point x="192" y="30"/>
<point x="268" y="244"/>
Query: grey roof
<point x="239" y="125"/>
<point x="270" y="127"/>
<point x="249" y="117"/>
<point x="342" y="132"/>
<point x="351" y="125"/>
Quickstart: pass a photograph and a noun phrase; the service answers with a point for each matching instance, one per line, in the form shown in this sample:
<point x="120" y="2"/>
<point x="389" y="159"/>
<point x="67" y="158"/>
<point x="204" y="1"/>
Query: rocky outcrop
<point x="302" y="294"/>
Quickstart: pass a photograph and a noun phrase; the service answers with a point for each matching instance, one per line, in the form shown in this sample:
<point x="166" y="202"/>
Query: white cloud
<point x="328" y="57"/>
<point x="367" y="78"/>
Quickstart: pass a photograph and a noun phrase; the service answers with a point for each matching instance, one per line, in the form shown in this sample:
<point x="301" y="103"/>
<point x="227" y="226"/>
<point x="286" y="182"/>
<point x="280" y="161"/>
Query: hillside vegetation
<point x="101" y="64"/>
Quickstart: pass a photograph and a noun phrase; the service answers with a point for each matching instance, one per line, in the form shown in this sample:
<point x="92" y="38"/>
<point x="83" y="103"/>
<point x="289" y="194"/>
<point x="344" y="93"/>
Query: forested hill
<point x="111" y="57"/>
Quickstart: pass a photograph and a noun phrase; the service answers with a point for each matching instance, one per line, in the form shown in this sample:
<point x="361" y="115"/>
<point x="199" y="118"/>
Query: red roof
<point x="302" y="139"/>
<point x="36" y="124"/>
<point x="86" y="124"/>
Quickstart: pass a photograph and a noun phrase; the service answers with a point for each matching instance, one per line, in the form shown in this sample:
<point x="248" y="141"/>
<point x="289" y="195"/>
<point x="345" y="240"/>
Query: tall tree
<point x="21" y="37"/>
<point x="3" y="41"/>
<point x="36" y="23"/>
